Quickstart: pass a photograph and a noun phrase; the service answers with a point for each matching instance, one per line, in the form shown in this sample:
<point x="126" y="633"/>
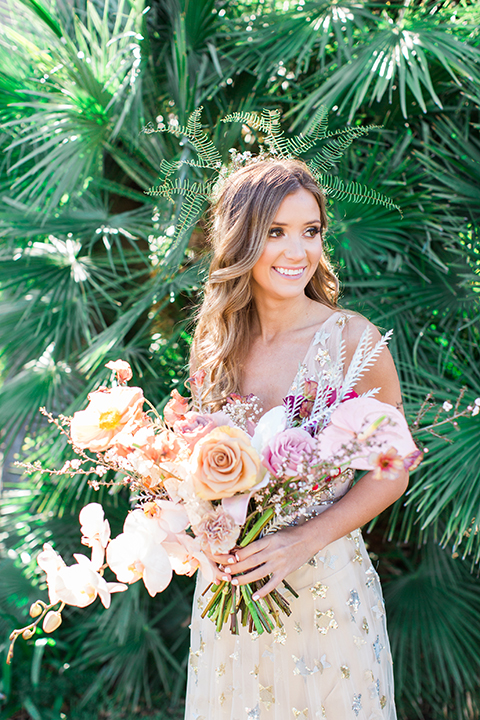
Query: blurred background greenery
<point x="89" y="273"/>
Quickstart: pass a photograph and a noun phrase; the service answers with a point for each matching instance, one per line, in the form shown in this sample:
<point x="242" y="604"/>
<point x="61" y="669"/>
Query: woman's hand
<point x="277" y="554"/>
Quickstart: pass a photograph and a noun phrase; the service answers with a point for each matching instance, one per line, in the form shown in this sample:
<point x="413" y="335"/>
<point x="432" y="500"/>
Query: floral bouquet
<point x="208" y="483"/>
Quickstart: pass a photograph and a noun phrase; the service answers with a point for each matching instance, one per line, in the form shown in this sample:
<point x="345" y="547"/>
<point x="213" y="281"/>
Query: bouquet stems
<point x="261" y="615"/>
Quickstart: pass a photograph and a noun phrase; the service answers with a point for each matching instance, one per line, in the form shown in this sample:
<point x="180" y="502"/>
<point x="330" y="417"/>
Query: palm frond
<point x="431" y="636"/>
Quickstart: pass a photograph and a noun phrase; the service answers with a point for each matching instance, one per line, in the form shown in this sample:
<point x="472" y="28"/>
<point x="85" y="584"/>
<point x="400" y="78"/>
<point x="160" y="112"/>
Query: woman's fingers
<point x="223" y="559"/>
<point x="258" y="558"/>
<point x="256" y="574"/>
<point x="268" y="587"/>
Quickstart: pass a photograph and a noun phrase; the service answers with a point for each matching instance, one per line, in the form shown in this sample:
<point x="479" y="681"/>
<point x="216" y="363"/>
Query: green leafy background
<point x="91" y="270"/>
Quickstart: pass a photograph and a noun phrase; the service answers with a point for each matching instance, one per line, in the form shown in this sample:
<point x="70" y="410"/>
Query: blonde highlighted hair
<point x="240" y="220"/>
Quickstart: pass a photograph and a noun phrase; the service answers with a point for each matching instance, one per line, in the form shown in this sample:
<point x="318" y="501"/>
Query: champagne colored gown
<point x="332" y="657"/>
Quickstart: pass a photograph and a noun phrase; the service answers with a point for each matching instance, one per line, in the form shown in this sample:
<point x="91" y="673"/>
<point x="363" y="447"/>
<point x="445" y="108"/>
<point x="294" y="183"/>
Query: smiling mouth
<point x="289" y="272"/>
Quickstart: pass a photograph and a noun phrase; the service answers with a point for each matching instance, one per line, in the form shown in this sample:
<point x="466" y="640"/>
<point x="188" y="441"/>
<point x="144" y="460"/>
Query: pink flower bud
<point x="52" y="621"/>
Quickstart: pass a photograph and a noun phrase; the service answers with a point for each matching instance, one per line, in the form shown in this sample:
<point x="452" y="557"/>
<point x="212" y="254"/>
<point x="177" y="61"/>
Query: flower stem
<point x="258" y="527"/>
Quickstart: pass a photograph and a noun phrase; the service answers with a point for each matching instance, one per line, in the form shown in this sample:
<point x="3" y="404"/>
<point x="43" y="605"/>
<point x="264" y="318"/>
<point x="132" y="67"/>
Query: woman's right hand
<point x="220" y="561"/>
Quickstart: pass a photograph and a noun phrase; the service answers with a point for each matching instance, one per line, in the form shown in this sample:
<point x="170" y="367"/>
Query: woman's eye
<point x="312" y="231"/>
<point x="275" y="232"/>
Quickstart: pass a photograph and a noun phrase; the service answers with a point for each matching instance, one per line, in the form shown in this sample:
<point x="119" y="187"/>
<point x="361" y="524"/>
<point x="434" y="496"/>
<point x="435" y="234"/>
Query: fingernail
<point x="231" y="560"/>
<point x="225" y="578"/>
<point x="256" y="597"/>
<point x="227" y="570"/>
<point x="238" y="559"/>
<point x="234" y="581"/>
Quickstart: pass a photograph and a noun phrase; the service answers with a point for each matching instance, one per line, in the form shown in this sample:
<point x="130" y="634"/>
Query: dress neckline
<point x="313" y="342"/>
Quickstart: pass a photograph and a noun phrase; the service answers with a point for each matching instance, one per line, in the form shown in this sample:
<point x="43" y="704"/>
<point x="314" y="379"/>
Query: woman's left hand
<point x="277" y="554"/>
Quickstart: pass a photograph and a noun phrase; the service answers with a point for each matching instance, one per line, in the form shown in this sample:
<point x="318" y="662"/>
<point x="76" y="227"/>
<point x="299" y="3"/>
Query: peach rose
<point x="224" y="463"/>
<point x="107" y="414"/>
<point x="175" y="408"/>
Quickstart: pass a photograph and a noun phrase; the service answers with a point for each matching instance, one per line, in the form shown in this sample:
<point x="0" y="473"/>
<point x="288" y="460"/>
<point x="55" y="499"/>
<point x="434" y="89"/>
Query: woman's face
<point x="292" y="251"/>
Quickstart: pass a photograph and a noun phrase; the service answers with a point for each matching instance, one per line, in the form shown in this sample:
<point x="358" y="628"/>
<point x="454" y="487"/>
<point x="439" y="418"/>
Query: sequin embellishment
<point x="357" y="705"/>
<point x="318" y="590"/>
<point x="266" y="696"/>
<point x="377" y="649"/>
<point x="325" y="621"/>
<point x="353" y="601"/>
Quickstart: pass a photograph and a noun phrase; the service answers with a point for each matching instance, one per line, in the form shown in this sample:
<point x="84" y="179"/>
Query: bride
<point x="270" y="317"/>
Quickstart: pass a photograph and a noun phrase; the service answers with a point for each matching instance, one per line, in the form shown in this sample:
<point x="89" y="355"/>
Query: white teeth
<point x="285" y="271"/>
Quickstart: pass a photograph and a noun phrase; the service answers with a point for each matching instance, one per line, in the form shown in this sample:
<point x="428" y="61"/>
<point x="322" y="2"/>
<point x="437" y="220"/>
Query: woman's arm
<point x="281" y="553"/>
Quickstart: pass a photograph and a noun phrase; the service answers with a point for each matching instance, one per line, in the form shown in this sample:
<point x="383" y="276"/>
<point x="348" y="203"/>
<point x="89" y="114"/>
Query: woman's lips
<point x="289" y="272"/>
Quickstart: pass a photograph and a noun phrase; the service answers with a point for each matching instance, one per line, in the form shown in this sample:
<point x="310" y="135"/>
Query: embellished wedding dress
<point x="331" y="659"/>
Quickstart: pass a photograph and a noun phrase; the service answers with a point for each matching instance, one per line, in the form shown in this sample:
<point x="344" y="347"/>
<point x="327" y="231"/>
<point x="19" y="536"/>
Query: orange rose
<point x="224" y="463"/>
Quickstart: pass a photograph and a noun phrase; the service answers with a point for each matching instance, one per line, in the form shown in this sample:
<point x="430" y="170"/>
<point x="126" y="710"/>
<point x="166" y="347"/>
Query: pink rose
<point x="196" y="425"/>
<point x="176" y="408"/>
<point x="287" y="451"/>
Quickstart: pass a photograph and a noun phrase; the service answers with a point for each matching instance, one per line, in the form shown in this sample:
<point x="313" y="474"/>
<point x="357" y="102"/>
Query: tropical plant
<point x="91" y="270"/>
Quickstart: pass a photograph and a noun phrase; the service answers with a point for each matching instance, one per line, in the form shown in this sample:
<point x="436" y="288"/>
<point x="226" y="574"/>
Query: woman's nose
<point x="295" y="249"/>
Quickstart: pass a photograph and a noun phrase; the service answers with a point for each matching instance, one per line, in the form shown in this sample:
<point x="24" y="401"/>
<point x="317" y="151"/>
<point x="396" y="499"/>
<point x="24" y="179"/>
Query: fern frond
<point x="318" y="131"/>
<point x="319" y="126"/>
<point x="193" y="131"/>
<point x="181" y="187"/>
<point x="332" y="152"/>
<point x="167" y="168"/>
<point x="192" y="208"/>
<point x="352" y="191"/>
<point x="267" y="123"/>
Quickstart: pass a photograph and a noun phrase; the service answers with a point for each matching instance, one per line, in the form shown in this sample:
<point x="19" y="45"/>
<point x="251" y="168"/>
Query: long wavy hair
<point x="240" y="219"/>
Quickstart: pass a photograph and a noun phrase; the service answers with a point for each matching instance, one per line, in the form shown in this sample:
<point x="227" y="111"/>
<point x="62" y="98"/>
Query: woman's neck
<point x="273" y="317"/>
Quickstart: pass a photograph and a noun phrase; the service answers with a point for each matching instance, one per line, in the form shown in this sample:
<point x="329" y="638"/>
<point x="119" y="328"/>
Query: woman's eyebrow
<point x="310" y="222"/>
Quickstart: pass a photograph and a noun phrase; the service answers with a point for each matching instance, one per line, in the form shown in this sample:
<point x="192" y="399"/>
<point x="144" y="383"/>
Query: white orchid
<point x="95" y="532"/>
<point x="75" y="584"/>
<point x="137" y="553"/>
<point x="186" y="557"/>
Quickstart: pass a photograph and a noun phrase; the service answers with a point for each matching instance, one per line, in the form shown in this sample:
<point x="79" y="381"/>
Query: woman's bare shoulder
<point x="355" y="326"/>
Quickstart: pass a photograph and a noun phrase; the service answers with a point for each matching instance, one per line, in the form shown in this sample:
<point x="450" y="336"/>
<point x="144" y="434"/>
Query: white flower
<point x="75" y="584"/>
<point x="194" y="506"/>
<point x="186" y="557"/>
<point x="476" y="410"/>
<point x="95" y="532"/>
<point x="274" y="421"/>
<point x="80" y="584"/>
<point x="51" y="563"/>
<point x="138" y="553"/>
<point x="447" y="406"/>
